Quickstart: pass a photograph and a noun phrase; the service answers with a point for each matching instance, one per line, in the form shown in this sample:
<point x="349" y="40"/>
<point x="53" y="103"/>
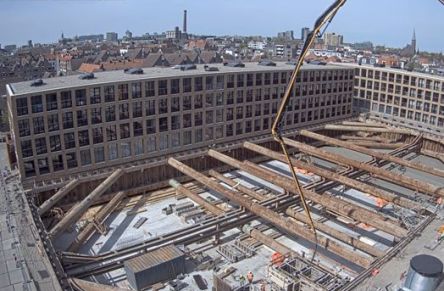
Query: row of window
<point x="39" y="104"/>
<point x="121" y="112"/>
<point x="153" y="143"/>
<point x="401" y="79"/>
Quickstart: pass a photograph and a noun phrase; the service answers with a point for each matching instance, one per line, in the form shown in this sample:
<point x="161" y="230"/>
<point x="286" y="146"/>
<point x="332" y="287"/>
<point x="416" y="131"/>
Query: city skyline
<point x="137" y="17"/>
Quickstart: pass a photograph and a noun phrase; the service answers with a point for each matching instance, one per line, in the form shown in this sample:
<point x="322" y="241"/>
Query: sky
<point x="384" y="22"/>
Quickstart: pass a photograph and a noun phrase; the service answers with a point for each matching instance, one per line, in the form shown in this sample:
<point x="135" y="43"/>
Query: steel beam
<point x="329" y="175"/>
<point x="195" y="197"/>
<point x="235" y="185"/>
<point x="48" y="204"/>
<point x="378" y="155"/>
<point x="269" y="241"/>
<point x="332" y="203"/>
<point x="377" y="172"/>
<point x="100" y="217"/>
<point x="355" y="242"/>
<point x="356" y="123"/>
<point x="271" y="216"/>
<point x="366" y="129"/>
<point x="77" y="211"/>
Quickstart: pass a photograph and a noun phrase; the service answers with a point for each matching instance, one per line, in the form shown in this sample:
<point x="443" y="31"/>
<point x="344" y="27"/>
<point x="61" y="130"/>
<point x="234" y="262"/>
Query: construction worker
<point x="242" y="280"/>
<point x="250" y="277"/>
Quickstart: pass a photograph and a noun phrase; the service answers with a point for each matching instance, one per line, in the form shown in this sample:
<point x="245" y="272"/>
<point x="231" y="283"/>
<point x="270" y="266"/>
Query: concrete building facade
<point x="70" y="126"/>
<point x="409" y="99"/>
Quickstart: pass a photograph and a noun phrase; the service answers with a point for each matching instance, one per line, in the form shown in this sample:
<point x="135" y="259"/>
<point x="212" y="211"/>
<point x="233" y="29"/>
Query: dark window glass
<point x="26" y="148"/>
<point x="65" y="98"/>
<point x="110" y="113"/>
<point x="109" y="94"/>
<point x="83" y="138"/>
<point x="22" y="106"/>
<point x="38" y="125"/>
<point x="51" y="102"/>
<point x="82" y="118"/>
<point x="97" y="134"/>
<point x="36" y="104"/>
<point x="40" y="146"/>
<point x="24" y="128"/>
<point x="122" y="91"/>
<point x="125" y="130"/>
<point x="94" y="95"/>
<point x="136" y="90"/>
<point x="70" y="141"/>
<point x="54" y="143"/>
<point x="81" y="97"/>
<point x="53" y="122"/>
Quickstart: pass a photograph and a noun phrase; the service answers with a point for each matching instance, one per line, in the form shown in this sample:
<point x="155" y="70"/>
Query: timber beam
<point x="77" y="211"/>
<point x="273" y="217"/>
<point x="48" y="204"/>
<point x="378" y="155"/>
<point x="100" y="218"/>
<point x="332" y="203"/>
<point x="377" y="172"/>
<point x="329" y="175"/>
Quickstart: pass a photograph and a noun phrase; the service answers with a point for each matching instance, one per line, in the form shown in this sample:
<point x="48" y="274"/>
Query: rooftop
<point x="69" y="82"/>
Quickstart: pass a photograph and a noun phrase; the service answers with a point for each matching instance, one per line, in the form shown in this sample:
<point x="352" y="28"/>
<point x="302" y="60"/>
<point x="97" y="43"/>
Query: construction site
<point x="229" y="217"/>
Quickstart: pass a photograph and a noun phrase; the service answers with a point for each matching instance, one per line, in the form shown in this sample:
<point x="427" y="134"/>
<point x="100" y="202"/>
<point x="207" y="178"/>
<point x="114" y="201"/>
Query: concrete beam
<point x="77" y="211"/>
<point x="377" y="172"/>
<point x="273" y="217"/>
<point x="196" y="198"/>
<point x="332" y="203"/>
<point x="378" y="145"/>
<point x="231" y="183"/>
<point x="329" y="175"/>
<point x="48" y="204"/>
<point x="379" y="155"/>
<point x="100" y="217"/>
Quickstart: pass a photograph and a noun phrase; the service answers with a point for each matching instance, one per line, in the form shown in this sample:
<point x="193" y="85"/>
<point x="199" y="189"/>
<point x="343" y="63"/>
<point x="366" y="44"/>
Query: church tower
<point x="414" y="42"/>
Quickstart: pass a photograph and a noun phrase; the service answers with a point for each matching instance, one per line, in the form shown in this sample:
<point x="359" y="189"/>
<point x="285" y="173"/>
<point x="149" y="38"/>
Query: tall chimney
<point x="184" y="21"/>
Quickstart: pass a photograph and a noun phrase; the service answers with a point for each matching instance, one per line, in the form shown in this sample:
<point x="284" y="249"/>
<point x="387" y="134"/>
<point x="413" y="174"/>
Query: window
<point x="186" y="85"/>
<point x="250" y="78"/>
<point x="94" y="95"/>
<point x="240" y="80"/>
<point x="112" y="152"/>
<point x="164" y="141"/>
<point x="175" y="122"/>
<point x="23" y="126"/>
<point x="198" y="118"/>
<point x="29" y="168"/>
<point x="83" y="138"/>
<point x="53" y="122"/>
<point x="70" y="141"/>
<point x="198" y="103"/>
<point x="82" y="118"/>
<point x="219" y="131"/>
<point x="51" y="102"/>
<point x="123" y="111"/>
<point x="110" y="113"/>
<point x="186" y="103"/>
<point x="209" y="133"/>
<point x="187" y="137"/>
<point x="40" y="146"/>
<point x="209" y="100"/>
<point x="209" y="117"/>
<point x="85" y="157"/>
<point x="99" y="155"/>
<point x="138" y="147"/>
<point x="65" y="98"/>
<point x="26" y="148"/>
<point x="151" y="126"/>
<point x="39" y="125"/>
<point x="137" y="128"/>
<point x="175" y="139"/>
<point x="97" y="134"/>
<point x="163" y="124"/>
<point x="109" y="94"/>
<point x="220" y="82"/>
<point x="175" y="104"/>
<point x="175" y="86"/>
<point x="151" y="144"/>
<point x="220" y="115"/>
<point x="162" y="87"/>
<point x="187" y="120"/>
<point x="57" y="163"/>
<point x="198" y="84"/>
<point x="96" y="115"/>
<point x="43" y="166"/>
<point x="54" y="143"/>
<point x="150" y="89"/>
<point x="150" y="107"/>
<point x="230" y="81"/>
<point x="198" y="136"/>
<point x="219" y="98"/>
<point x="136" y="89"/>
<point x="163" y="106"/>
<point x="111" y="132"/>
<point x="259" y="79"/>
<point x="22" y="106"/>
<point x="80" y="97"/>
<point x="137" y="109"/>
<point x="122" y="91"/>
<point x="36" y="104"/>
<point x="71" y="160"/>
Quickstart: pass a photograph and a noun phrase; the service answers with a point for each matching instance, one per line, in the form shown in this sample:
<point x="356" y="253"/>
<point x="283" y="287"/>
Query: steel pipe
<point x="233" y="184"/>
<point x="48" y="204"/>
<point x="366" y="129"/>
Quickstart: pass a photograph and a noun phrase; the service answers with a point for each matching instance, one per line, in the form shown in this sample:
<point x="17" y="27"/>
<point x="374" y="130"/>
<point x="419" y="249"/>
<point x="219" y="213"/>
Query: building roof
<point x="157" y="257"/>
<point x="100" y="78"/>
